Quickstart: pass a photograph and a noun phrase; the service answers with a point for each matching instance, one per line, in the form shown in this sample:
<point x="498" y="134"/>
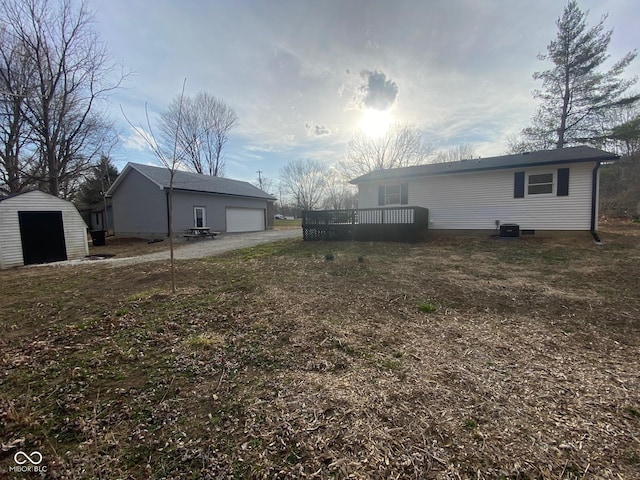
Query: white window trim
<point x="204" y="216"/>
<point x="554" y="184"/>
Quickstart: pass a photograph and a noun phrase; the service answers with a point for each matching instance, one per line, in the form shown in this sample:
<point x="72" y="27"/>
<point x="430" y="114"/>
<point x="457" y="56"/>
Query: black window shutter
<point x="404" y="194"/>
<point x="518" y="185"/>
<point x="381" y="194"/>
<point x="563" y="182"/>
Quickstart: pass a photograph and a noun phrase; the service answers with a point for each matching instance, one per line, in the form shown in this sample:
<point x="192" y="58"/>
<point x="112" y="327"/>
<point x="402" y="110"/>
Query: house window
<point x="540" y="183"/>
<point x="393" y="194"/>
<point x="199" y="217"/>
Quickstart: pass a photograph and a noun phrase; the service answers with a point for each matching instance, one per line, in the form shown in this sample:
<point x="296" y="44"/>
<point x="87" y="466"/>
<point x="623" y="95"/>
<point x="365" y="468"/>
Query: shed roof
<point x="520" y="160"/>
<point x="13" y="195"/>
<point x="193" y="182"/>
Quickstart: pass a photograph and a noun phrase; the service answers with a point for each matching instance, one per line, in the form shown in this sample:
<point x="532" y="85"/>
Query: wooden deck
<point x="396" y="224"/>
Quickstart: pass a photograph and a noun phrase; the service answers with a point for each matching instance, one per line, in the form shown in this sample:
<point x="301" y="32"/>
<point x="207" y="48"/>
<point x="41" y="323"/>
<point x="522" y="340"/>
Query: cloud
<point x="138" y="140"/>
<point x="315" y="130"/>
<point x="377" y="92"/>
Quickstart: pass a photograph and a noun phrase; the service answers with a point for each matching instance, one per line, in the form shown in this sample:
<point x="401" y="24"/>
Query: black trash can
<point x="97" y="236"/>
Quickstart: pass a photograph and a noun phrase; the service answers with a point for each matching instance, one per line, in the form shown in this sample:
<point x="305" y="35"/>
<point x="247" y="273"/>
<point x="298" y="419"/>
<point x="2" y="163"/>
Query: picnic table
<point x="199" y="232"/>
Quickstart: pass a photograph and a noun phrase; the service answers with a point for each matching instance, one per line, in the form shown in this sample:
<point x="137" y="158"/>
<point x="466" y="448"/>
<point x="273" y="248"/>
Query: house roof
<point x="193" y="182"/>
<point x="520" y="160"/>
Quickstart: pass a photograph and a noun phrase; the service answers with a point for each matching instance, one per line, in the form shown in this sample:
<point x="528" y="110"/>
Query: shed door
<point x="42" y="236"/>
<point x="245" y="219"/>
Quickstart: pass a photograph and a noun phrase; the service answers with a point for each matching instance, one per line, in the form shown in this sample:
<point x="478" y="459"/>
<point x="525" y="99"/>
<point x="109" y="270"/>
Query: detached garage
<point x="36" y="227"/>
<point x="140" y="200"/>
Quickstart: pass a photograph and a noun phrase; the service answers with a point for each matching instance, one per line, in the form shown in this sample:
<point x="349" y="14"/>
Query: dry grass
<point x="287" y="224"/>
<point x="273" y="362"/>
<point x="128" y="247"/>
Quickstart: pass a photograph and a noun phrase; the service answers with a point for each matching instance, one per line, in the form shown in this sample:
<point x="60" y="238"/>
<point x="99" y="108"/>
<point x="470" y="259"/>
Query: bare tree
<point x="400" y="146"/>
<point x="16" y="85"/>
<point x="305" y="180"/>
<point x="628" y="134"/>
<point x="69" y="74"/>
<point x="624" y="136"/>
<point x="338" y="193"/>
<point x="619" y="193"/>
<point x="461" y="152"/>
<point x="171" y="161"/>
<point x="205" y="123"/>
<point x="265" y="184"/>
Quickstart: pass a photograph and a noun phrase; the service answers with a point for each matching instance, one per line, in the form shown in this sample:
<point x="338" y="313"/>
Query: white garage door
<point x="245" y="219"/>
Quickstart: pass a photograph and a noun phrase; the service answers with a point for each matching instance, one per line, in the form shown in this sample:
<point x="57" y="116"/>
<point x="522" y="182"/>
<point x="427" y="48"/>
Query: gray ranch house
<point x="140" y="203"/>
<point x="542" y="192"/>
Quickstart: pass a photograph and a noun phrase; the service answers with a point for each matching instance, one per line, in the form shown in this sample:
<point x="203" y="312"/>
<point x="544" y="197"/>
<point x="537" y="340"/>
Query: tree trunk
<point x="53" y="174"/>
<point x="565" y="110"/>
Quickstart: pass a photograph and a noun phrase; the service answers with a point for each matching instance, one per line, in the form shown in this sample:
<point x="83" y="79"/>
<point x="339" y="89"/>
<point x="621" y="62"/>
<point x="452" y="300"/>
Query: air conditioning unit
<point x="509" y="230"/>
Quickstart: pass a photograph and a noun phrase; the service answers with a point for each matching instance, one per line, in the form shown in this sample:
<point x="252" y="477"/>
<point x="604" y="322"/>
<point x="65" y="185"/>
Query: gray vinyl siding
<point x="75" y="229"/>
<point x="474" y="201"/>
<point x="215" y="205"/>
<point x="139" y="207"/>
<point x="139" y="201"/>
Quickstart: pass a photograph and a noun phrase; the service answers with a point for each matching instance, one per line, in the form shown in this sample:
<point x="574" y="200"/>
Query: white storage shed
<point x="36" y="227"/>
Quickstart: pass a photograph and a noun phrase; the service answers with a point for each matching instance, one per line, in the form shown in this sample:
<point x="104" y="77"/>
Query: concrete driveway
<point x="206" y="247"/>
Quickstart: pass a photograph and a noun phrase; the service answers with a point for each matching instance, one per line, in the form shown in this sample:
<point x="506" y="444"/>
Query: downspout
<point x="594" y="204"/>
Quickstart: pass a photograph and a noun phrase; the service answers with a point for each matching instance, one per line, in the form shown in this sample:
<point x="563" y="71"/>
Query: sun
<point x="375" y="123"/>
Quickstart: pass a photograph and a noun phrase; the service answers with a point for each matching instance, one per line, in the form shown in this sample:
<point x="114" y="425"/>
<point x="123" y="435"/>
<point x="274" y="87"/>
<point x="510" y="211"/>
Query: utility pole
<point x="259" y="172"/>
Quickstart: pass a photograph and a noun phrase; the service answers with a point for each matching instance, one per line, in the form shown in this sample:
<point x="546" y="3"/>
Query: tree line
<point x="308" y="184"/>
<point x="56" y="77"/>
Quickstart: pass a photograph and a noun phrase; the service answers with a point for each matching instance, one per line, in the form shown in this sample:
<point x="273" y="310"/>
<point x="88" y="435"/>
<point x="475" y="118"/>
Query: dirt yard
<point x="127" y="247"/>
<point x="452" y="358"/>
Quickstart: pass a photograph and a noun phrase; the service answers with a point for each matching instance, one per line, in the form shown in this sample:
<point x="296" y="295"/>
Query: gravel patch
<point x="208" y="247"/>
<point x="186" y="250"/>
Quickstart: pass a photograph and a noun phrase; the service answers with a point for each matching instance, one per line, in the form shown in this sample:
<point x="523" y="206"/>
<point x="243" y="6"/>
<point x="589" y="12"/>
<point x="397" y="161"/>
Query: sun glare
<point x="375" y="123"/>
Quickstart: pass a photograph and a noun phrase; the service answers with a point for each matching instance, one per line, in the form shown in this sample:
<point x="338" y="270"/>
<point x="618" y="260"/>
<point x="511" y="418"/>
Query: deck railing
<point x="390" y="223"/>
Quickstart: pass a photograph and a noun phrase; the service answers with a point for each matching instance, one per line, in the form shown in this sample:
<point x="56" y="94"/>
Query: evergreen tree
<point x="576" y="94"/>
<point x="98" y="181"/>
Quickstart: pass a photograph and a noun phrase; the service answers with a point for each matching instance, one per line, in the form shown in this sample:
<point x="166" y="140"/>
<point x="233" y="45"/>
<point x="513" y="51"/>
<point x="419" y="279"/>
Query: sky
<point x="303" y="75"/>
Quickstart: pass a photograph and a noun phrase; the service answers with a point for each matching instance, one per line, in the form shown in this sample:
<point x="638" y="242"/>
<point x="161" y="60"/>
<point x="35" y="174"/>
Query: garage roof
<point x="193" y="182"/>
